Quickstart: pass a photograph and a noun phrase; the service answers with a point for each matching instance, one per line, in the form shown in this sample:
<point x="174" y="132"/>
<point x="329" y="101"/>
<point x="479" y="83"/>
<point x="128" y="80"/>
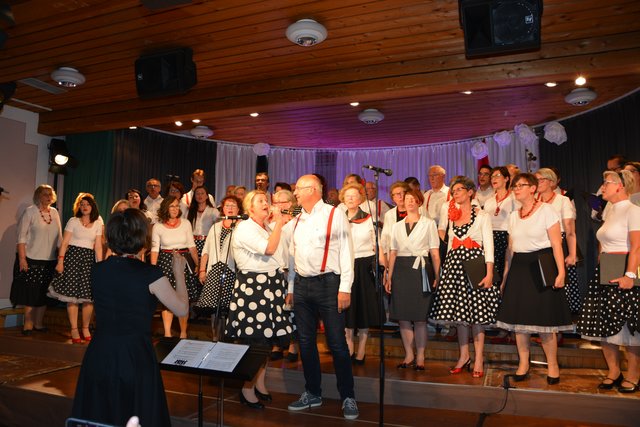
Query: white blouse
<point x="564" y="208"/>
<point x="423" y="237"/>
<point x="212" y="247"/>
<point x="363" y="237"/>
<point x="530" y="234"/>
<point x="249" y="244"/>
<point x="81" y="236"/>
<point x="41" y="239"/>
<point x="204" y="221"/>
<point x="480" y="232"/>
<point x="500" y="222"/>
<point x="621" y="218"/>
<point x="163" y="237"/>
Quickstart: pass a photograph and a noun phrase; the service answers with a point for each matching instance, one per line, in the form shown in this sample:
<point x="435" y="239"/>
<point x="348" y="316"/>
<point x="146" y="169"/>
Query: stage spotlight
<point x="59" y="157"/>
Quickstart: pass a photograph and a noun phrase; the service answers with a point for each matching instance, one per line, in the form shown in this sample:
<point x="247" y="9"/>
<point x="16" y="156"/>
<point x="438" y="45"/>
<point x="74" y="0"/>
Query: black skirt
<point x="363" y="312"/>
<point x="74" y="284"/>
<point x="408" y="301"/>
<point x="527" y="306"/>
<point x="165" y="262"/>
<point x="30" y="287"/>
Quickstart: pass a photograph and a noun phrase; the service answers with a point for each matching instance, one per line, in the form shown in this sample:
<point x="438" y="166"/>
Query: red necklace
<point x="44" y="219"/>
<point x="535" y="203"/>
<point x="499" y="202"/>
<point x="550" y="199"/>
<point x="174" y="225"/>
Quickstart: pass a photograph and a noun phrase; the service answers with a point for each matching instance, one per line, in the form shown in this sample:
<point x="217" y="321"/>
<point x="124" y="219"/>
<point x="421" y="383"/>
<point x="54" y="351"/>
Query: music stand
<point x="246" y="369"/>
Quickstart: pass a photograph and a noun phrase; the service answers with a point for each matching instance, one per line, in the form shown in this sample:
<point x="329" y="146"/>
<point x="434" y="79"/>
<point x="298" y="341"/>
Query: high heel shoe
<point x="262" y="396"/>
<point x="632" y="389"/>
<point x="419" y="367"/>
<point x="405" y="365"/>
<point x="553" y="380"/>
<point x="87" y="338"/>
<point x="613" y="383"/>
<point x="359" y="362"/>
<point x="76" y="340"/>
<point x="253" y="405"/>
<point x="521" y="377"/>
<point x="477" y="374"/>
<point x="466" y="365"/>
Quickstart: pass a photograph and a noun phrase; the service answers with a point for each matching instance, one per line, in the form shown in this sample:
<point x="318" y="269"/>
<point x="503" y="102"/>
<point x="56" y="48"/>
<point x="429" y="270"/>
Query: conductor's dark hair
<point x="128" y="232"/>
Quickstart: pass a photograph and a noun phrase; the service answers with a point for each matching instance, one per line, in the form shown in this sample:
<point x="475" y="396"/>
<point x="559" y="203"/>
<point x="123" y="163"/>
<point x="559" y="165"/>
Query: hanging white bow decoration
<point x="525" y="134"/>
<point x="555" y="132"/>
<point x="261" y="149"/>
<point x="479" y="150"/>
<point x="503" y="138"/>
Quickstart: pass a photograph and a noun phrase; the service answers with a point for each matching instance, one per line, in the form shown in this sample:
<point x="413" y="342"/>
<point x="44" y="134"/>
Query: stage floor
<point x="38" y="374"/>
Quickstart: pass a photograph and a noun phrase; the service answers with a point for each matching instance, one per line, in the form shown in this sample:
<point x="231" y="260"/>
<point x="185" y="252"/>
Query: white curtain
<point x="513" y="153"/>
<point x="455" y="158"/>
<point x="288" y="164"/>
<point x="235" y="165"/>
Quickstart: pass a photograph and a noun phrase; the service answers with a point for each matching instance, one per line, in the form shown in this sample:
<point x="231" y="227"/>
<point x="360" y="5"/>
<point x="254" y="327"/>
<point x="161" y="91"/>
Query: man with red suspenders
<point x="321" y="256"/>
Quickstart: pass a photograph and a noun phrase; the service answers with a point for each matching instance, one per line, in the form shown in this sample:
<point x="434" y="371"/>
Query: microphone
<point x="387" y="172"/>
<point x="243" y="216"/>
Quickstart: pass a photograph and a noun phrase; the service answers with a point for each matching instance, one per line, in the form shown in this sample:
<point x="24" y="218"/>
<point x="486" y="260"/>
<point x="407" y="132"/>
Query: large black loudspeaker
<point x="494" y="27"/>
<point x="166" y="73"/>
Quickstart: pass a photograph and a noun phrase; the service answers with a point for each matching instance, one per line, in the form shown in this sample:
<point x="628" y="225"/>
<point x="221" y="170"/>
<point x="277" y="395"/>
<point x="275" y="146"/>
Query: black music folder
<point x="613" y="266"/>
<point x="475" y="269"/>
<point x="548" y="268"/>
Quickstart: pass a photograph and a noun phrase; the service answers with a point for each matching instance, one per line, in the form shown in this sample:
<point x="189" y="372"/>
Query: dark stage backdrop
<point x="592" y="139"/>
<point x="141" y="154"/>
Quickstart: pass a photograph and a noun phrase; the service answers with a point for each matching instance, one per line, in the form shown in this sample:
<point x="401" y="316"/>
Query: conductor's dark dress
<point x="120" y="376"/>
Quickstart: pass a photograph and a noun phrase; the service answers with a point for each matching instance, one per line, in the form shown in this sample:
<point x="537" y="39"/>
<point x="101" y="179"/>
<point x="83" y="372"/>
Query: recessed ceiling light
<point x="133" y="127"/>
<point x="354" y="104"/>
<point x="178" y="123"/>
<point x="254" y="114"/>
<point x="467" y="92"/>
<point x="196" y="120"/>
<point x="580" y="81"/>
<point x="551" y="84"/>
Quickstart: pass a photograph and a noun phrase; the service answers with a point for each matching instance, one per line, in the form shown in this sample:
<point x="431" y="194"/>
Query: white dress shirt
<point x="152" y="208"/>
<point x="308" y="243"/>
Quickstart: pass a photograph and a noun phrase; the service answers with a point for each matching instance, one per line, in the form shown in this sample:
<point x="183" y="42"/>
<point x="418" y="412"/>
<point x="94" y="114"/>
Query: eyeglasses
<point x="496" y="175"/>
<point x="520" y="186"/>
<point x="604" y="183"/>
<point x="153" y="185"/>
<point x="483" y="174"/>
<point x="400" y="194"/>
<point x="458" y="190"/>
<point x="228" y="206"/>
<point x="435" y="175"/>
<point x="543" y="179"/>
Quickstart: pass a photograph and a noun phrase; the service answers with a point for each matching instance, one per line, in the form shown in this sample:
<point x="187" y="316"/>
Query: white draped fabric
<point x="289" y="164"/>
<point x="235" y="164"/>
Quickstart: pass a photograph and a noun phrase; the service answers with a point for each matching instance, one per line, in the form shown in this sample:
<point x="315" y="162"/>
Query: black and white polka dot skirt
<point x="200" y="246"/>
<point x="74" y="284"/>
<point x="257" y="306"/>
<point x="30" y="287"/>
<point x="607" y="309"/>
<point x="455" y="301"/>
<point x="217" y="289"/>
<point x="165" y="262"/>
<point x="573" y="286"/>
<point x="500" y="243"/>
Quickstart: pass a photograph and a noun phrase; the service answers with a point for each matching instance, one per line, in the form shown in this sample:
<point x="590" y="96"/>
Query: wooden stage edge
<point x="38" y="375"/>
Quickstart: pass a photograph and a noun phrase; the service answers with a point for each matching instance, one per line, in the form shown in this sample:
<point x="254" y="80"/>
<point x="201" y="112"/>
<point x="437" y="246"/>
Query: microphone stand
<point x="215" y="321"/>
<point x="380" y="288"/>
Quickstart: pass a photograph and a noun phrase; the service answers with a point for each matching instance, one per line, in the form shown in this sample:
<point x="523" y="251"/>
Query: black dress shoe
<point x="253" y="405"/>
<point x="611" y="383"/>
<point x="263" y="396"/>
<point x="521" y="377"/>
<point x="27" y="332"/>
<point x="404" y="365"/>
<point x="43" y="329"/>
<point x="292" y="357"/>
<point x="553" y="380"/>
<point x="632" y="389"/>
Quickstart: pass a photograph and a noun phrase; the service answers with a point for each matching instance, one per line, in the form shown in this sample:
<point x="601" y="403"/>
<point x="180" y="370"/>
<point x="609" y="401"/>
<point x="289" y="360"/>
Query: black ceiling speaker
<point x="495" y="27"/>
<point x="165" y="73"/>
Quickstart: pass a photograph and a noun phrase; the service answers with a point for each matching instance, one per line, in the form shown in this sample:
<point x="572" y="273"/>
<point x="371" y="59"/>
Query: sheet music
<point x="206" y="355"/>
<point x="224" y="357"/>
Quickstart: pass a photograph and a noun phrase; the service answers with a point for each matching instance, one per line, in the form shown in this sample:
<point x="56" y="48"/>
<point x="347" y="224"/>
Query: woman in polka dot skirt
<point x="611" y="311"/>
<point x="256" y="312"/>
<point x="173" y="233"/>
<point x="457" y="301"/>
<point x="39" y="234"/>
<point x="81" y="248"/>
<point x="547" y="181"/>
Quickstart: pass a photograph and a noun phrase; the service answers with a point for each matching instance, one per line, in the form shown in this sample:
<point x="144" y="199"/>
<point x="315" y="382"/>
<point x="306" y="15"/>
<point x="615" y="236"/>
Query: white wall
<point x="24" y="164"/>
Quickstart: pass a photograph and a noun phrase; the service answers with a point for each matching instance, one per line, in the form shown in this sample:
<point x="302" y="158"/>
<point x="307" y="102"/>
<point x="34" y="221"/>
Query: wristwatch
<point x="631" y="275"/>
